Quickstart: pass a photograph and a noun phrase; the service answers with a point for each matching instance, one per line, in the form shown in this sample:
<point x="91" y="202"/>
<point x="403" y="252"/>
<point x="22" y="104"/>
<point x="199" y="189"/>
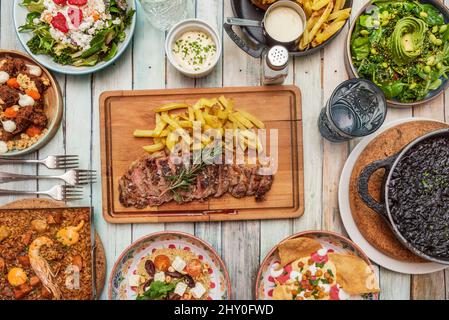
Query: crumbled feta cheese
<point x="4" y="76"/>
<point x="159" y="276"/>
<point x="116" y="21"/>
<point x="198" y="291"/>
<point x="179" y="264"/>
<point x="3" y="147"/>
<point x="36" y="21"/>
<point x="81" y="39"/>
<point x="181" y="287"/>
<point x="25" y="100"/>
<point x="295" y="275"/>
<point x="9" y="126"/>
<point x="313" y="269"/>
<point x="134" y="280"/>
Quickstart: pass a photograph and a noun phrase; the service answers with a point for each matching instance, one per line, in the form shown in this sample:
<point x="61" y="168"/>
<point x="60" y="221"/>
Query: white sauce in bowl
<point x="284" y="24"/>
<point x="194" y="51"/>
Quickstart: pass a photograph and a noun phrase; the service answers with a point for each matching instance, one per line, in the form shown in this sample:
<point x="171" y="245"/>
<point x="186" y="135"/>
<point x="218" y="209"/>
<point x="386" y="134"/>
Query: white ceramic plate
<point x="20" y="14"/>
<point x="350" y="225"/>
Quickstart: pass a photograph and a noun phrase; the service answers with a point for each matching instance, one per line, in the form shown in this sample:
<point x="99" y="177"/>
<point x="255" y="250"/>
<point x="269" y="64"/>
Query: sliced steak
<point x="148" y="181"/>
<point x="264" y="186"/>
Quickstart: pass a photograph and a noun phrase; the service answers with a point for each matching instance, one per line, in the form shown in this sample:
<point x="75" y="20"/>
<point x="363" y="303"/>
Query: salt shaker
<point x="274" y="66"/>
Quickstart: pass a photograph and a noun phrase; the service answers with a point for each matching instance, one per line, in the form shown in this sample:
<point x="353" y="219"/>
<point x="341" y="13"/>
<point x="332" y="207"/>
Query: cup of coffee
<point x="283" y="24"/>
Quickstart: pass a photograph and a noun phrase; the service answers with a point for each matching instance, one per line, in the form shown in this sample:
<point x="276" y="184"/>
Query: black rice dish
<point x="419" y="197"/>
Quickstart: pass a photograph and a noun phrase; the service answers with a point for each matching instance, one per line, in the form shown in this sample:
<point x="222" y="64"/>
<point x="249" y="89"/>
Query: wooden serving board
<point x="121" y="112"/>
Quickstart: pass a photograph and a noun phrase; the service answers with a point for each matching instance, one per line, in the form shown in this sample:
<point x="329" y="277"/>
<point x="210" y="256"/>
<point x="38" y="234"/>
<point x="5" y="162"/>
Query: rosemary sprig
<point x="188" y="174"/>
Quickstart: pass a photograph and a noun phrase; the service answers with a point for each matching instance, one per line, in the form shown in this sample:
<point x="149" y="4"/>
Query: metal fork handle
<point x="12" y="177"/>
<point x="19" y="161"/>
<point x="21" y="192"/>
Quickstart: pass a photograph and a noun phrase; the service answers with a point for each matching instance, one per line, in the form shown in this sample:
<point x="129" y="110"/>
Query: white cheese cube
<point x="179" y="264"/>
<point x="198" y="291"/>
<point x="159" y="276"/>
<point x="181" y="288"/>
<point x="134" y="280"/>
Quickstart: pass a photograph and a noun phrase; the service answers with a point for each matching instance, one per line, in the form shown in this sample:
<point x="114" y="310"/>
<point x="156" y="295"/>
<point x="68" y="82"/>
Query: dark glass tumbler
<point x="356" y="108"/>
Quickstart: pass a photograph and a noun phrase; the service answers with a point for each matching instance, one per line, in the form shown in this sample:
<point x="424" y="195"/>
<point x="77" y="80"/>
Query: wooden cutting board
<point x="279" y="107"/>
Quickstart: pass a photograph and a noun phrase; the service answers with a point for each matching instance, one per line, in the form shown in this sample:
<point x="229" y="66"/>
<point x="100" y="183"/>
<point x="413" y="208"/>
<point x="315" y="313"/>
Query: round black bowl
<point x="352" y="71"/>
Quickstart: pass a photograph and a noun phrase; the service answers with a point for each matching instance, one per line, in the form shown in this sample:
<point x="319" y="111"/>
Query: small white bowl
<point x="192" y="25"/>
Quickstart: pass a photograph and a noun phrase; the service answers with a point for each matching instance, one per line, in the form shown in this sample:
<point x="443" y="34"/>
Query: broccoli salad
<point x="76" y="32"/>
<point x="403" y="47"/>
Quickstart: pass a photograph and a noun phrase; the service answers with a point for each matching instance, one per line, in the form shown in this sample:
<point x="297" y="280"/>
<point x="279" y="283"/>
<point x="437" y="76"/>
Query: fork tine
<point x="66" y="156"/>
<point x="68" y="161"/>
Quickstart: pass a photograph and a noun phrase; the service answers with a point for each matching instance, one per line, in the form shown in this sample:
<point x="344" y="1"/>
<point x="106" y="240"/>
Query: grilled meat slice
<point x="8" y="96"/>
<point x="148" y="182"/>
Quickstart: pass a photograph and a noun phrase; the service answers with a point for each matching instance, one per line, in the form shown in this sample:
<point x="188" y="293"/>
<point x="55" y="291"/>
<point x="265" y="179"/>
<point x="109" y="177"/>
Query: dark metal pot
<point x="383" y="207"/>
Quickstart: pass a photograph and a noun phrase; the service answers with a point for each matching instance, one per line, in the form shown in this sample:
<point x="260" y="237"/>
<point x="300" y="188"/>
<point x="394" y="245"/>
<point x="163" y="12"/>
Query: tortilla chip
<point x="354" y="275"/>
<point x="297" y="248"/>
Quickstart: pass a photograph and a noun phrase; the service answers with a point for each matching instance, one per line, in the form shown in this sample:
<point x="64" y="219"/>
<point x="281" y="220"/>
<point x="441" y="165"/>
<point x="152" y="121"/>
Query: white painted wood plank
<point x="308" y="79"/>
<point x="176" y="80"/>
<point x="240" y="240"/>
<point x="115" y="237"/>
<point x="149" y="73"/>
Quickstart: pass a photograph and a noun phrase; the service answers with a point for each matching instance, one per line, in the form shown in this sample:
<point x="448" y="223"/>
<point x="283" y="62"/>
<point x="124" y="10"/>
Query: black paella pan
<point x="394" y="170"/>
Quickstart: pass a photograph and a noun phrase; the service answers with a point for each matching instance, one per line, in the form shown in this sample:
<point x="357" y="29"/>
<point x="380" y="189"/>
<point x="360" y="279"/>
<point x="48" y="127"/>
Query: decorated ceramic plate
<point x="139" y="272"/>
<point x="328" y="244"/>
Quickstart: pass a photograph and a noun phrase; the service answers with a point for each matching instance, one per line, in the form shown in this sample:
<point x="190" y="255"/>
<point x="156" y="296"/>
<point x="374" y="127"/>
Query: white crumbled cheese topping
<point x="179" y="264"/>
<point x="134" y="280"/>
<point x="198" y="291"/>
<point x="313" y="269"/>
<point x="9" y="126"/>
<point x="4" y="76"/>
<point x="159" y="276"/>
<point x="25" y="100"/>
<point x="180" y="288"/>
<point x="322" y="252"/>
<point x="3" y="147"/>
<point x="342" y="295"/>
<point x="79" y="36"/>
<point x="294" y="275"/>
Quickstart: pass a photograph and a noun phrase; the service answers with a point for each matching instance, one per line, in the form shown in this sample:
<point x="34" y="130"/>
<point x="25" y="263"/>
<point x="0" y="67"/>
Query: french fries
<point x="324" y="19"/>
<point x="175" y="123"/>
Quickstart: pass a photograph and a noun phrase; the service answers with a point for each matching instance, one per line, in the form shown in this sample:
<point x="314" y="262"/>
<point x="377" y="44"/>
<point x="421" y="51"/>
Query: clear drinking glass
<point x="163" y="14"/>
<point x="356" y="109"/>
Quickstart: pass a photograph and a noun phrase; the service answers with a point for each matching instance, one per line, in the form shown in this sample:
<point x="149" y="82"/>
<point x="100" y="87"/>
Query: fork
<point x="59" y="193"/>
<point x="72" y="177"/>
<point x="51" y="162"/>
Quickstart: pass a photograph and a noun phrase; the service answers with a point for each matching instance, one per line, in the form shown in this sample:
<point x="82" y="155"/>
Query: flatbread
<point x="295" y="249"/>
<point x="370" y="224"/>
<point x="354" y="275"/>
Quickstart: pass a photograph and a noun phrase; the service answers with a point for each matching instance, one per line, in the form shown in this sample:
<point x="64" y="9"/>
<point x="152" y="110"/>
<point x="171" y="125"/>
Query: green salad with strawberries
<point x="76" y="32"/>
<point x="403" y="47"/>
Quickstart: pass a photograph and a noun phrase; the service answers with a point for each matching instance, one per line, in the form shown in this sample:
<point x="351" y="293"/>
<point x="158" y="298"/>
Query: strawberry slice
<point x="78" y="2"/>
<point x="59" y="22"/>
<point x="60" y="2"/>
<point x="75" y="16"/>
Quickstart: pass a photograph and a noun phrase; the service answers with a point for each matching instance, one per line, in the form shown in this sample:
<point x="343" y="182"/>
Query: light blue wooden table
<point x="242" y="244"/>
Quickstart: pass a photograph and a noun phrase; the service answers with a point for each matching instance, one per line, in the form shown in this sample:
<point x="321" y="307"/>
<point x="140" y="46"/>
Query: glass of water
<point x="163" y="14"/>
<point x="356" y="109"/>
